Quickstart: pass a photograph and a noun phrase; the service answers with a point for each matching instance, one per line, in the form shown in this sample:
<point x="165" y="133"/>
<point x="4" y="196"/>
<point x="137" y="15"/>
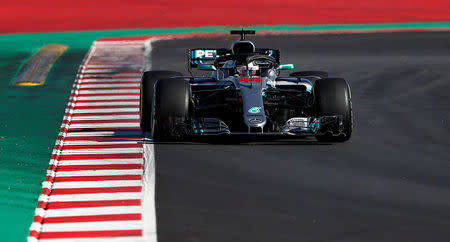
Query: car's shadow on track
<point x="239" y="140"/>
<point x="137" y="135"/>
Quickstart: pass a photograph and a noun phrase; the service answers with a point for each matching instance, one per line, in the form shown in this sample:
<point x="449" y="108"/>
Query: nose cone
<point x="252" y="102"/>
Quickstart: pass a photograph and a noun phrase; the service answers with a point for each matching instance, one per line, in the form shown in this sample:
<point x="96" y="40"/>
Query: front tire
<point x="332" y="96"/>
<point x="146" y="96"/>
<point x="171" y="109"/>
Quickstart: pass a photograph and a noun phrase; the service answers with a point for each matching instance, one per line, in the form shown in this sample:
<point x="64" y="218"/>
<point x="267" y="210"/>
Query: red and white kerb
<point x="94" y="189"/>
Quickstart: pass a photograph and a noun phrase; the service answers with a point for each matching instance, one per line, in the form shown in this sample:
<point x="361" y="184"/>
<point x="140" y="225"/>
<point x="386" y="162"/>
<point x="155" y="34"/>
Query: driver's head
<point x="242" y="47"/>
<point x="252" y="69"/>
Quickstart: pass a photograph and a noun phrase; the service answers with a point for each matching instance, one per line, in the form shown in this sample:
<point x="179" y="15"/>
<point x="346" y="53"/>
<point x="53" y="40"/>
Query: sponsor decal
<point x="255" y="120"/>
<point x="205" y="54"/>
<point x="254" y="79"/>
<point x="255" y="110"/>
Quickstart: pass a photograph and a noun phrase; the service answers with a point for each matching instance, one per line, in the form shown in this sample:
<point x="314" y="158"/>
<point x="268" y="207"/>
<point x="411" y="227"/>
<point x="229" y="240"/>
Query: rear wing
<point x="207" y="56"/>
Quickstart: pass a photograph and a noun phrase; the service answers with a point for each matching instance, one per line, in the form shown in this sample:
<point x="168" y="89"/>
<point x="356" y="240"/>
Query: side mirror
<point x="204" y="67"/>
<point x="286" y="67"/>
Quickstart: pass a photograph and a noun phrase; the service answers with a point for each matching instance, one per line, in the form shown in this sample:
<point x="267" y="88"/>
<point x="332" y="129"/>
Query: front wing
<point x="300" y="126"/>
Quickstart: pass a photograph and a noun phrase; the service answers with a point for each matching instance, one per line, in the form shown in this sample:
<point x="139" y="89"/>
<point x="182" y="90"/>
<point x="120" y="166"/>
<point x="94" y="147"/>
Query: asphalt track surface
<point x="390" y="182"/>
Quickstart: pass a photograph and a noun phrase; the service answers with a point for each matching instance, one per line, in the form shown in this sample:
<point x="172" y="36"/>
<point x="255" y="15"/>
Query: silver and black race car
<point x="245" y="95"/>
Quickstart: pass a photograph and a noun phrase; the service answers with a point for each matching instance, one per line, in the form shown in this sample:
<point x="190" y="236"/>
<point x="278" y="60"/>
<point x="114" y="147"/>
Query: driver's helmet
<point x="251" y="71"/>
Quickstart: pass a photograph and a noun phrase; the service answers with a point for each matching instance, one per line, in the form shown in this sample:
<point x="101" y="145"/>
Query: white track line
<point x="97" y="162"/>
<point x="102" y="151"/>
<point x="106" y="239"/>
<point x="106" y="133"/>
<point x="112" y="86"/>
<point x="106" y="98"/>
<point x="109" y="103"/>
<point x="91" y="197"/>
<point x="92" y="226"/>
<point x="91" y="126"/>
<point x="102" y="161"/>
<point x="112" y="66"/>
<point x="99" y="173"/>
<point x="124" y="79"/>
<point x="112" y="91"/>
<point x="149" y="215"/>
<point x="106" y="117"/>
<point x="90" y="184"/>
<point x="98" y="142"/>
<point x="108" y="71"/>
<point x="91" y="211"/>
<point x="105" y="75"/>
<point x="106" y="110"/>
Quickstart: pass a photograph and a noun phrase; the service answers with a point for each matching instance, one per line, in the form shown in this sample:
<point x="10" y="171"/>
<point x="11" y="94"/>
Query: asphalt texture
<point x="390" y="182"/>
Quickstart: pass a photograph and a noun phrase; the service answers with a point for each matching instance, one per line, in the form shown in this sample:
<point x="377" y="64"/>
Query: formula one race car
<point x="244" y="95"/>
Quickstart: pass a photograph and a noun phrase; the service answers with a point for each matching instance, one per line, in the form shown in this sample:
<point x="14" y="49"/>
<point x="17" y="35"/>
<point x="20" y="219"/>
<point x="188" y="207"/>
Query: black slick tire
<point x="171" y="109"/>
<point x="146" y="95"/>
<point x="332" y="96"/>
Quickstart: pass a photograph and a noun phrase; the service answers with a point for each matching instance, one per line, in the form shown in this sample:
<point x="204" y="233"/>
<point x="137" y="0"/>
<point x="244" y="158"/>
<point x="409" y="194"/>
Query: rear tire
<point x="146" y="97"/>
<point x="315" y="74"/>
<point x="171" y="109"/>
<point x="332" y="96"/>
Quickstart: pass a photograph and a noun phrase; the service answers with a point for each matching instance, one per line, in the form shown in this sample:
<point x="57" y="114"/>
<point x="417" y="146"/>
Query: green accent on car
<point x="255" y="110"/>
<point x="205" y="67"/>
<point x="286" y="67"/>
